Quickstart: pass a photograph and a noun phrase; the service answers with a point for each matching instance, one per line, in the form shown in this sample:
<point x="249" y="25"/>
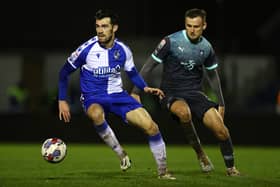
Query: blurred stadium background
<point x="37" y="36"/>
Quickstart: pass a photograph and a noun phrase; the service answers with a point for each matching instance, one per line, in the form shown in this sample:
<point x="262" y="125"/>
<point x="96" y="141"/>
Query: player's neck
<point x="108" y="44"/>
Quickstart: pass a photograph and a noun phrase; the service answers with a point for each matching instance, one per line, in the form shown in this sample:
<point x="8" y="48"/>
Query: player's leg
<point x="214" y="121"/>
<point x="181" y="109"/>
<point x="96" y="114"/>
<point x="140" y="118"/>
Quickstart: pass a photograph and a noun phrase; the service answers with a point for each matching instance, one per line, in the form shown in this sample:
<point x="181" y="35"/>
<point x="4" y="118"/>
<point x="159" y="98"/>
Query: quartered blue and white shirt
<point x="100" y="69"/>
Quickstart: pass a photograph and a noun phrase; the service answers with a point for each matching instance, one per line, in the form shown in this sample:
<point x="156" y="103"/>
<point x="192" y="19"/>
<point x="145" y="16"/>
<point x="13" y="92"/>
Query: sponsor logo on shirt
<point x="106" y="71"/>
<point x="188" y="65"/>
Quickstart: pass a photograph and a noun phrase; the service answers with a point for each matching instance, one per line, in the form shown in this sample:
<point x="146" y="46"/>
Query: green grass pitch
<point x="95" y="165"/>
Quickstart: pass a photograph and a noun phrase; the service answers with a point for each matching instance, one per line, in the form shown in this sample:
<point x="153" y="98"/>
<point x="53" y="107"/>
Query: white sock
<point x="158" y="149"/>
<point x="108" y="136"/>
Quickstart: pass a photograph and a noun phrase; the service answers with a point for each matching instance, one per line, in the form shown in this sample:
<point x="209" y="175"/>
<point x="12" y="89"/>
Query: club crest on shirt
<point x="117" y="54"/>
<point x="181" y="49"/>
<point x="201" y="52"/>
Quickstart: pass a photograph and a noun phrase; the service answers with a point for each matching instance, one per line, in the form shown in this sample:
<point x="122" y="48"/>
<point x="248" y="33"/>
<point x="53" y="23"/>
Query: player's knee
<point x="184" y="116"/>
<point x="222" y="133"/>
<point x="97" y="116"/>
<point x="152" y="129"/>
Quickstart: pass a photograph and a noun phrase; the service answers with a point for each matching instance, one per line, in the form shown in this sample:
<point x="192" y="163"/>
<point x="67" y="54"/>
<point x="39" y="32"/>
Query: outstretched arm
<point x="140" y="84"/>
<point x="147" y="68"/>
<point x="154" y="91"/>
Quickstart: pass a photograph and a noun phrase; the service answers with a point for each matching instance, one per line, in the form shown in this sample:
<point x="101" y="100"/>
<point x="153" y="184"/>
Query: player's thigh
<point x="181" y="109"/>
<point x="141" y="118"/>
<point x="213" y="120"/>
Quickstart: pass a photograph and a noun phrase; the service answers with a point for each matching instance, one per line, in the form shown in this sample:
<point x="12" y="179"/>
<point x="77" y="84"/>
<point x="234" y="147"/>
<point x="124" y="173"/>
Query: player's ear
<point x="115" y="27"/>
<point x="204" y="25"/>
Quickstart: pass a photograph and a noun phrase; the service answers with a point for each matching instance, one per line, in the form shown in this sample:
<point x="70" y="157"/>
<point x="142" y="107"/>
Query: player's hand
<point x="221" y="110"/>
<point x="136" y="97"/>
<point x="154" y="91"/>
<point x="64" y="111"/>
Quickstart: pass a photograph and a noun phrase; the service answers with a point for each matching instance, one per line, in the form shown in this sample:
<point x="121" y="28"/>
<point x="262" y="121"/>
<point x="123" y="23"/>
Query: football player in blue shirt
<point x="100" y="61"/>
<point x="184" y="55"/>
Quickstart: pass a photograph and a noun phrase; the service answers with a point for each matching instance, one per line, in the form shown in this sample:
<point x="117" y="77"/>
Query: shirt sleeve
<point x="161" y="50"/>
<point x="211" y="62"/>
<point x="64" y="73"/>
<point x="149" y="65"/>
<point x="136" y="78"/>
<point x="129" y="63"/>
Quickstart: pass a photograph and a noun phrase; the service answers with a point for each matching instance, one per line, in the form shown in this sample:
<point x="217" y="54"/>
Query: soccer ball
<point x="53" y="150"/>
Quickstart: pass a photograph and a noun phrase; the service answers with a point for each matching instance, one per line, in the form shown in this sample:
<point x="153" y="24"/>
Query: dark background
<point x="242" y="27"/>
<point x="239" y="26"/>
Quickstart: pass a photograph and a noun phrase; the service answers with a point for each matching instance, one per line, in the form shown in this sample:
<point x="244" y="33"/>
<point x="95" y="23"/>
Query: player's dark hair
<point x="103" y="13"/>
<point x="195" y="12"/>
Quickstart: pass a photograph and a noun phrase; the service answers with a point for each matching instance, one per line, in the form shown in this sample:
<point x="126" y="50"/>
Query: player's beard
<point x="105" y="41"/>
